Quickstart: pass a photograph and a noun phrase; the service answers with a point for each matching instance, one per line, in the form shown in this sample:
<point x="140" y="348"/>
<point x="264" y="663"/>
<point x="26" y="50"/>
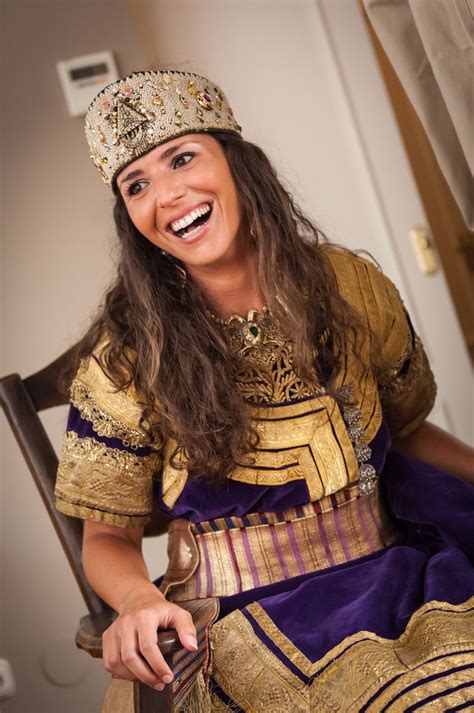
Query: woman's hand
<point x="130" y="649"/>
<point x="115" y="568"/>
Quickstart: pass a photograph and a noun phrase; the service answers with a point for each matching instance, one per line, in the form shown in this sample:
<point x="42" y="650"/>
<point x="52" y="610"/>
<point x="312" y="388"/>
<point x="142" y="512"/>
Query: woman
<point x="250" y="377"/>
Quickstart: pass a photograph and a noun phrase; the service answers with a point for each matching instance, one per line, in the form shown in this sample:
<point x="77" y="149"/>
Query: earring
<point x="253" y="232"/>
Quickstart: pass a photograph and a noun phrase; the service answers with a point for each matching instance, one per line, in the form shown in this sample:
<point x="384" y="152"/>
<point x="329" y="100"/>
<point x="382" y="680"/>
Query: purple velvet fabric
<point x="201" y="501"/>
<point x="379" y="595"/>
<point x="431" y="560"/>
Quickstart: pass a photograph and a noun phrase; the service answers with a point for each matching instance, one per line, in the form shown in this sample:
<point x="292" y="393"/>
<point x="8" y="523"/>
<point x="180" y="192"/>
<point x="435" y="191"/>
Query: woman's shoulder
<point x="348" y="264"/>
<point x="360" y="280"/>
<point x="372" y="294"/>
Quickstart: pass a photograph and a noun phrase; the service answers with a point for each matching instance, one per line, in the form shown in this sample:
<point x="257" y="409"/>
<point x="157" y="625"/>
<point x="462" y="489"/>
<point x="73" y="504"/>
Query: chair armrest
<point x="92" y="626"/>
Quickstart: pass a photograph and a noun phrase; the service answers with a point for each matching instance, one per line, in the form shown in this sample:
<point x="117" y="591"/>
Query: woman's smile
<point x="193" y="224"/>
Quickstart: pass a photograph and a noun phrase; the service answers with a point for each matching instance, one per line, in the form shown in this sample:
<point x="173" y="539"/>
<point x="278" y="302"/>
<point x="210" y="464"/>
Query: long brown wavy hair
<point x="160" y="338"/>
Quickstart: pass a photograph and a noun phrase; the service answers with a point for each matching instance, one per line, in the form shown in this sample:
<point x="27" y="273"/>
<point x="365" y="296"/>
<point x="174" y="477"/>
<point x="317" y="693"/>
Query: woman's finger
<point x="149" y="649"/>
<point x="112" y="660"/>
<point x="138" y="667"/>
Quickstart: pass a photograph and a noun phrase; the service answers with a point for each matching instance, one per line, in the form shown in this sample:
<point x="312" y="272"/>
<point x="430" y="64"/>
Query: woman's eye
<point x="135" y="188"/>
<point x="182" y="159"/>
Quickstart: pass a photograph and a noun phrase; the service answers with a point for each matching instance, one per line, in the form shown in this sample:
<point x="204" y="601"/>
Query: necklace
<point x="251" y="328"/>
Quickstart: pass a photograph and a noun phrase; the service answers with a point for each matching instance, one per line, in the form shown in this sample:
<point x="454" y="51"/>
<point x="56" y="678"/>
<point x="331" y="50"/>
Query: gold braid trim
<point x="105" y="484"/>
<point x="113" y="458"/>
<point x="439" y="639"/>
<point x="250" y="674"/>
<point x="104" y="424"/>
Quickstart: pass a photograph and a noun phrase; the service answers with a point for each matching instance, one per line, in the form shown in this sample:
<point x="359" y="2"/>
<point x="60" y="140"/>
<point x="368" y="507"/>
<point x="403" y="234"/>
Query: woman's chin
<point x="209" y="255"/>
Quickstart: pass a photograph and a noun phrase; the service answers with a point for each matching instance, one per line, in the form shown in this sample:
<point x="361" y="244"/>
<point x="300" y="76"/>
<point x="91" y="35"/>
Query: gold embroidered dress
<point x="342" y="580"/>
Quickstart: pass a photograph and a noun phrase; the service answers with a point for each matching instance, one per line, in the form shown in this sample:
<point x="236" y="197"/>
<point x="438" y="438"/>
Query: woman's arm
<point x="114" y="565"/>
<point x="438" y="448"/>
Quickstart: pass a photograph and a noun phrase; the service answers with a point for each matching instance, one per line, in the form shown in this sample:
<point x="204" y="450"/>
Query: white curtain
<point x="430" y="44"/>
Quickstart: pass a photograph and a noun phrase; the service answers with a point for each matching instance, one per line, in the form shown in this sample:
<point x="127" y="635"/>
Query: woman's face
<point x="182" y="197"/>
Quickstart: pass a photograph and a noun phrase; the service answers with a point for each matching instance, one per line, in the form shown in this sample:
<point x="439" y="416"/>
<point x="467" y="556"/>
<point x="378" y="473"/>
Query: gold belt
<point x="222" y="557"/>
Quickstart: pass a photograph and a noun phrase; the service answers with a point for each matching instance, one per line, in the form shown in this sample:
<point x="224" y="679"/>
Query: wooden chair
<point x="21" y="401"/>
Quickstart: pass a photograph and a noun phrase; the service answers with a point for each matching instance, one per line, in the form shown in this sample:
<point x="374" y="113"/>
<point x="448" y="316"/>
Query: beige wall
<point x="56" y="243"/>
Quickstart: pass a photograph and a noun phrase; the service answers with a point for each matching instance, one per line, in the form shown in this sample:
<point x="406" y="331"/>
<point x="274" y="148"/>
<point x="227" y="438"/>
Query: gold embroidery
<point x="96" y="396"/>
<point x="254" y="476"/>
<point x="407" y="398"/>
<point x="105" y="484"/>
<point x="439" y="637"/>
<point x="284" y="412"/>
<point x="251" y="674"/>
<point x="103" y="423"/>
<point x="309" y="438"/>
<point x="217" y="706"/>
<point x="265" y="373"/>
<point x="312" y="438"/>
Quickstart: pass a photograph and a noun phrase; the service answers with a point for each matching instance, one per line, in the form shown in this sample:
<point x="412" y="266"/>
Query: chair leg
<point x="147" y="700"/>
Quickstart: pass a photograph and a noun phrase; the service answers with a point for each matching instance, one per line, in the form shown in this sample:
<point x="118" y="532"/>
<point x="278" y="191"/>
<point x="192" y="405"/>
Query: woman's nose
<point x="169" y="190"/>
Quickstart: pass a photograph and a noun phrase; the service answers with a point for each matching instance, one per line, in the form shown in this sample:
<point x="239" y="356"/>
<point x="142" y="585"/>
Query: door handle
<point x="424" y="249"/>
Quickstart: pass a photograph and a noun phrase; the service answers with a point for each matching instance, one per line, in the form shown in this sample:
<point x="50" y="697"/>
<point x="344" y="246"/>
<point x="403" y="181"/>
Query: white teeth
<point x="188" y="219"/>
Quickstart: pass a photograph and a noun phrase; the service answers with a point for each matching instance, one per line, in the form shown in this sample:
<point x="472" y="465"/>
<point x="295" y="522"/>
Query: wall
<point x="56" y="246"/>
<point x="270" y="58"/>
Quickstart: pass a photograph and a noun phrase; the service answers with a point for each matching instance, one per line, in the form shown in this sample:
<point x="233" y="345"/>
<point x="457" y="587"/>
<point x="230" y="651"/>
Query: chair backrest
<point x="21" y="401"/>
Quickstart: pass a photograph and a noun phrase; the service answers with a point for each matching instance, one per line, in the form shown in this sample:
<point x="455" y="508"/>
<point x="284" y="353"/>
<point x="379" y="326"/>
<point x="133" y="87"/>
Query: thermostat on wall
<point x="83" y="77"/>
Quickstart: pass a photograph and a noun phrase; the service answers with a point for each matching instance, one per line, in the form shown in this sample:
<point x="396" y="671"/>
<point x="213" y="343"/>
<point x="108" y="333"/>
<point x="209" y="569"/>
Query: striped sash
<point x="226" y="556"/>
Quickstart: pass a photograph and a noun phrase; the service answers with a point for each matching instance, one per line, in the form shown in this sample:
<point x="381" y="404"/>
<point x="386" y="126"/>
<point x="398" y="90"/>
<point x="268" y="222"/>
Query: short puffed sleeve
<point x="108" y="463"/>
<point x="406" y="384"/>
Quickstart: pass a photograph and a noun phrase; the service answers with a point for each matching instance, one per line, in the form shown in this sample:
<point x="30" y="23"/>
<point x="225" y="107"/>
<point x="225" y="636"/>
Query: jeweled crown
<point x="133" y="115"/>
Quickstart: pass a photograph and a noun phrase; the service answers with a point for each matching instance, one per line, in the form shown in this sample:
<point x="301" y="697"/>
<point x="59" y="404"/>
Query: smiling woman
<point x="250" y="378"/>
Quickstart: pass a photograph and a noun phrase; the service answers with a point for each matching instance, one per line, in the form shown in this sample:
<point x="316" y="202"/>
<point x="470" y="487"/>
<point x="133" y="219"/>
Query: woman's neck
<point x="231" y="288"/>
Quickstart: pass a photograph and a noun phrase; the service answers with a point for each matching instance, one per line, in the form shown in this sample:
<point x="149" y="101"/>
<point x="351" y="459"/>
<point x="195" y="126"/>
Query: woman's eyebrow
<point x="172" y="150"/>
<point x="166" y="154"/>
<point x="131" y="175"/>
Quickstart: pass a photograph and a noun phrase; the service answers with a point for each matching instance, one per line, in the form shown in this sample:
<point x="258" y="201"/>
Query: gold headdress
<point x="133" y="115"/>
